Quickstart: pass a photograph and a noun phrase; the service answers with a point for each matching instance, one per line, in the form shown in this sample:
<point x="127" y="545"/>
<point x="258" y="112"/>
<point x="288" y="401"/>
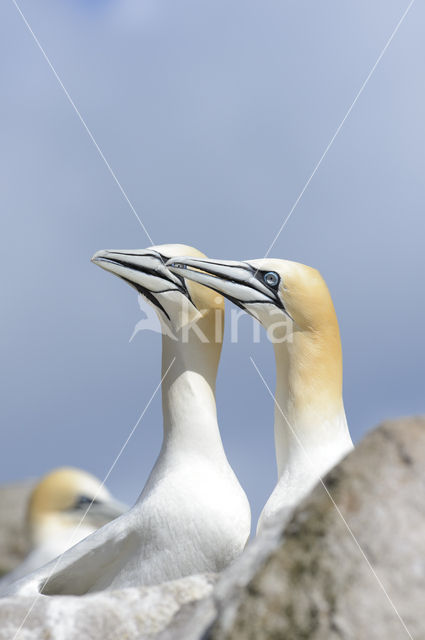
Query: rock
<point x="345" y="565"/>
<point x="191" y="621"/>
<point x="13" y="543"/>
<point x="129" y="614"/>
<point x="350" y="564"/>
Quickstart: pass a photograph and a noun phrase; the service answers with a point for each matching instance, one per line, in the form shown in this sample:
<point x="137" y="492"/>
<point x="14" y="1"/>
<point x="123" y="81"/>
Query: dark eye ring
<point x="84" y="501"/>
<point x="271" y="278"/>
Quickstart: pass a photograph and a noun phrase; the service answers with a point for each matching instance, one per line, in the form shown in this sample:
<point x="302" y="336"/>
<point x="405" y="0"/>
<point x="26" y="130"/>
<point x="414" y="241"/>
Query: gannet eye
<point x="271" y="278"/>
<point x="83" y="501"/>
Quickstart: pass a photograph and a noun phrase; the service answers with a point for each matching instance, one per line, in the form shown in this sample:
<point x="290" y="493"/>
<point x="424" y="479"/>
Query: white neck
<point x="188" y="396"/>
<point x="57" y="530"/>
<point x="189" y="371"/>
<point x="310" y="427"/>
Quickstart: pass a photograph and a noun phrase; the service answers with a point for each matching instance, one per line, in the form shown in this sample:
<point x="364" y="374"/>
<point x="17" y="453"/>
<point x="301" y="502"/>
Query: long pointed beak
<point x="145" y="270"/>
<point x="103" y="512"/>
<point x="141" y="268"/>
<point x="237" y="281"/>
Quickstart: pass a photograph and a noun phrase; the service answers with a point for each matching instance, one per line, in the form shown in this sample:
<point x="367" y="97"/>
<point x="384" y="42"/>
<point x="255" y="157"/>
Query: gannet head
<point x="264" y="288"/>
<point x="177" y="302"/>
<point x="293" y="303"/>
<point x="61" y="498"/>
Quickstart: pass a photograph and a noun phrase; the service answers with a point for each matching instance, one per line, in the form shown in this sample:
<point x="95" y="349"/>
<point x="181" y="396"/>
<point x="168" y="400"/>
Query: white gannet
<point x="56" y="506"/>
<point x="293" y="303"/>
<point x="192" y="515"/>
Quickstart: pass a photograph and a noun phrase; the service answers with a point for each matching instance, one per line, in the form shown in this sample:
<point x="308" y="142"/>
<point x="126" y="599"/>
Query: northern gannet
<point x="293" y="303"/>
<point x="192" y="515"/>
<point x="56" y="506"/>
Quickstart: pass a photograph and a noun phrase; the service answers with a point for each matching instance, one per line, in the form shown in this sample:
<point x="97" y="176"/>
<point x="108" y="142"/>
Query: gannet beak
<point x="145" y="270"/>
<point x="102" y="512"/>
<point x="237" y="281"/>
<point x="141" y="268"/>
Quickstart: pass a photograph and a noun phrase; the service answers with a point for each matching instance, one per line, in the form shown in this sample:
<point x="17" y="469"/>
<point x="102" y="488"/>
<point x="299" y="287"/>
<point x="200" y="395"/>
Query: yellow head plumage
<point x="292" y="301"/>
<point x="60" y="500"/>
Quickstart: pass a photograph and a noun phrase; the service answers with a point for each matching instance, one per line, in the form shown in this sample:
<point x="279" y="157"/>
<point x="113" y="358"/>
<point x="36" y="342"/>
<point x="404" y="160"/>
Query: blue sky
<point x="213" y="115"/>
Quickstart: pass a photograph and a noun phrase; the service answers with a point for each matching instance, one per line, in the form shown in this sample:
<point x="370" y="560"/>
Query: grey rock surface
<point x="13" y="543"/>
<point x="350" y="564"/>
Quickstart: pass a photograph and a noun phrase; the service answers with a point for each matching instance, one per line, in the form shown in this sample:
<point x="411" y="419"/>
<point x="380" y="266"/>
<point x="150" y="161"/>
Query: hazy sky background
<point x="213" y="114"/>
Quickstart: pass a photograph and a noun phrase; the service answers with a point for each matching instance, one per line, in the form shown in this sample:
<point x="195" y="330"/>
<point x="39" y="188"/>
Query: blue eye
<point x="271" y="278"/>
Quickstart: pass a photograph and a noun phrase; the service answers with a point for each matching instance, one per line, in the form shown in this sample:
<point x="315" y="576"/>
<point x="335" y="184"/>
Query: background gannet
<point x="192" y="515"/>
<point x="293" y="303"/>
<point x="56" y="506"/>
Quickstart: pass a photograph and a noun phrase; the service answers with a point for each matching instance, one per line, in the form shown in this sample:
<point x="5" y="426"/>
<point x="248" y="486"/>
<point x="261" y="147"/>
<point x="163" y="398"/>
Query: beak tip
<point x="96" y="256"/>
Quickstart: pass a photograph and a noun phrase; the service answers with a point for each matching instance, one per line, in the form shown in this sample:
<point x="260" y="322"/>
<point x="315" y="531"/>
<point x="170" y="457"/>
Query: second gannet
<point x="192" y="515"/>
<point x="293" y="303"/>
<point x="64" y="507"/>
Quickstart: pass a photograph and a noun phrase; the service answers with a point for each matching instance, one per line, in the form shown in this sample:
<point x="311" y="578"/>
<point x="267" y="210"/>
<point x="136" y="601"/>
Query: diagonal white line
<point x="59" y="558"/>
<point x="332" y="140"/>
<point x="313" y="466"/>
<point x="80" y="117"/>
